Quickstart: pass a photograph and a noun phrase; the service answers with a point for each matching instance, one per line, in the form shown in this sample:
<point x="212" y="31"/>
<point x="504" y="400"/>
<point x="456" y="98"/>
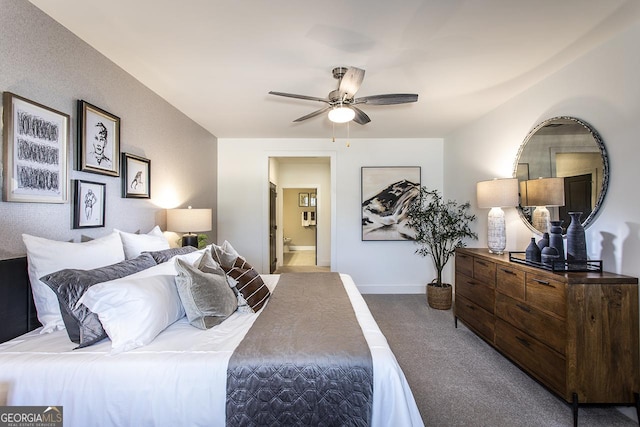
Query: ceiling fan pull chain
<point x="348" y="134"/>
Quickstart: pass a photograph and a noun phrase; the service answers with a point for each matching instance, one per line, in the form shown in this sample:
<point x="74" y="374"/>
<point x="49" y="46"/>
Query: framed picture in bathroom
<point x="303" y="199"/>
<point x="387" y="191"/>
<point x="312" y="199"/>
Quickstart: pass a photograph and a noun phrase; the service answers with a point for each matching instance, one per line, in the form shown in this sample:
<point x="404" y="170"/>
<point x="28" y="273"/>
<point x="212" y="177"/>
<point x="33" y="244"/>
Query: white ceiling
<point x="215" y="60"/>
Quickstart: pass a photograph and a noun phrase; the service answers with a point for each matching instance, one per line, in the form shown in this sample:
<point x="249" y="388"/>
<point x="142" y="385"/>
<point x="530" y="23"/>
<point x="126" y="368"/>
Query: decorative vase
<point x="549" y="255"/>
<point x="556" y="240"/>
<point x="533" y="251"/>
<point x="439" y="297"/>
<point x="544" y="242"/>
<point x="576" y="241"/>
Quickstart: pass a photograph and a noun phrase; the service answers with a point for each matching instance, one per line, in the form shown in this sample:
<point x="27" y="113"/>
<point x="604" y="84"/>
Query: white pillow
<point x="133" y="310"/>
<point x="46" y="256"/>
<point x="135" y="244"/>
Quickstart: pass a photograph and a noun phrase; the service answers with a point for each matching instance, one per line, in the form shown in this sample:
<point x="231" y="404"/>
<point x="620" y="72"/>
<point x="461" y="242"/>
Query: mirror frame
<point x="605" y="167"/>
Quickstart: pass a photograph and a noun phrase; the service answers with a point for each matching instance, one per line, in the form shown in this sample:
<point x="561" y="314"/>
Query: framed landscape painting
<point x="35" y="151"/>
<point x="387" y="193"/>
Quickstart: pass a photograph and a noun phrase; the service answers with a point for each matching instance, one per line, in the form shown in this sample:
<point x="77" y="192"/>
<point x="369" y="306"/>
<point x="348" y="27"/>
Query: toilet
<point x="287" y="242"/>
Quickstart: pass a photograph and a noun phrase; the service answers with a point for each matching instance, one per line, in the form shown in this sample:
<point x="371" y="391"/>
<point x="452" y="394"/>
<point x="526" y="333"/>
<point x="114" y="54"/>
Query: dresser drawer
<point x="475" y="291"/>
<point x="474" y="316"/>
<point x="533" y="356"/>
<point x="546" y="294"/>
<point x="464" y="264"/>
<point x="484" y="271"/>
<point x="546" y="328"/>
<point x="510" y="281"/>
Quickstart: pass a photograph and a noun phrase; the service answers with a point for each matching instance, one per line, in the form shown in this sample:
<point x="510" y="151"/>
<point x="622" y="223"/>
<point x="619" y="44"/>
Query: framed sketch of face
<point x="98" y="140"/>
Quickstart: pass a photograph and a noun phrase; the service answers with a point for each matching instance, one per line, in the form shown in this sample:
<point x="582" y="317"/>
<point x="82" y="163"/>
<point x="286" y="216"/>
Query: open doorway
<point x="299" y="226"/>
<point x="304" y="212"/>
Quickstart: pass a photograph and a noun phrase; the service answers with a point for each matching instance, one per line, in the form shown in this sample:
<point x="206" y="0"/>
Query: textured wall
<point x="44" y="62"/>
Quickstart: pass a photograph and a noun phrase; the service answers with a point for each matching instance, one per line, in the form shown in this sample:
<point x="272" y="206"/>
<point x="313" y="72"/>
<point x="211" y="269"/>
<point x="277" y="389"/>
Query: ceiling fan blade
<point x="351" y="81"/>
<point x="315" y="113"/>
<point x="388" y="99"/>
<point x="293" y="95"/>
<point x="361" y="118"/>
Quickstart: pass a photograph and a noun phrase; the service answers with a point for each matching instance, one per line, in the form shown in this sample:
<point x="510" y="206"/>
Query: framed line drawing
<point x="303" y="199"/>
<point x="136" y="177"/>
<point x="88" y="204"/>
<point x="35" y="142"/>
<point x="386" y="194"/>
<point x="98" y="140"/>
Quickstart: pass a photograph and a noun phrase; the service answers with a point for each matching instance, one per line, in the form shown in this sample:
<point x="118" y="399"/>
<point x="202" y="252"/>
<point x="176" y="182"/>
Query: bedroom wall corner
<point x="44" y="62"/>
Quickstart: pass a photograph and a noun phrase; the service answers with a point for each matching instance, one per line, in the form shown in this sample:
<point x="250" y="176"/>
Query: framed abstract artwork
<point x="136" y="177"/>
<point x="387" y="192"/>
<point x="35" y="151"/>
<point x="88" y="204"/>
<point x="98" y="140"/>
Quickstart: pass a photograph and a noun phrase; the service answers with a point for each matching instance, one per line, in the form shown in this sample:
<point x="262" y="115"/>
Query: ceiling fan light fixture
<point x="341" y="114"/>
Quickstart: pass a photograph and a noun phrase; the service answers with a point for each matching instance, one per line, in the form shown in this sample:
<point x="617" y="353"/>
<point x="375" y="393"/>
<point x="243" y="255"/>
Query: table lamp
<point x="189" y="221"/>
<point x="542" y="193"/>
<point x="496" y="194"/>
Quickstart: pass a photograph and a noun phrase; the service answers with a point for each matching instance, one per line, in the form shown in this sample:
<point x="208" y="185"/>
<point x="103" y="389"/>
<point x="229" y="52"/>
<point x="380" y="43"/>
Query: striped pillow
<point x="249" y="283"/>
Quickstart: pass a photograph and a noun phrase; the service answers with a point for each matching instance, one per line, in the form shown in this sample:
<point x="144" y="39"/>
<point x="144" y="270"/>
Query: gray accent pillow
<point x="206" y="297"/>
<point x="166" y="254"/>
<point x="83" y="326"/>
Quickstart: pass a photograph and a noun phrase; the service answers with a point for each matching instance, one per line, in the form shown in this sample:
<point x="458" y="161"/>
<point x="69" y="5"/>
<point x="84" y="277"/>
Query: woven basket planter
<point x="439" y="297"/>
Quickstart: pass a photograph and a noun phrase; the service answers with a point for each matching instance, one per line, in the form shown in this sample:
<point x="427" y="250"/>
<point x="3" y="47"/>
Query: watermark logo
<point x="31" y="416"/>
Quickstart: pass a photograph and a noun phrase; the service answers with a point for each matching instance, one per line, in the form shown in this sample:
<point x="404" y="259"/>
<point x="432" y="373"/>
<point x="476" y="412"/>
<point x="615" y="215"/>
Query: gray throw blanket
<point x="304" y="361"/>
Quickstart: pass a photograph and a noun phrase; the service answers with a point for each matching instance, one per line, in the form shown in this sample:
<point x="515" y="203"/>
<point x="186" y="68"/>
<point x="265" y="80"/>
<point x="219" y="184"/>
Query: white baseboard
<point x="392" y="289"/>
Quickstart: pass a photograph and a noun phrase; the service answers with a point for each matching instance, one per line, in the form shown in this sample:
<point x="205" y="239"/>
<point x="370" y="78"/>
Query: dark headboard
<point x="17" y="311"/>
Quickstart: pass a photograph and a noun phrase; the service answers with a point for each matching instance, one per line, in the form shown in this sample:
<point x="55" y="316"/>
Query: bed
<point x="185" y="375"/>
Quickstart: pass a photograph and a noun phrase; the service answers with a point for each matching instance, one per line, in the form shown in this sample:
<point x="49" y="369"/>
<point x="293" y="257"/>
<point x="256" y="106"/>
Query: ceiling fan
<point x="341" y="104"/>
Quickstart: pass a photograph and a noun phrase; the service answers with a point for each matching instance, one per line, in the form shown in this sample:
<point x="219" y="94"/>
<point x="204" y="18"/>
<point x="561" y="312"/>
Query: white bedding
<point x="179" y="379"/>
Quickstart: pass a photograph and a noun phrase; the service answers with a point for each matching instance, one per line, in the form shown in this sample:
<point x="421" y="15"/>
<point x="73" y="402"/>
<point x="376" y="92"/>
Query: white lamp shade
<point x="497" y="193"/>
<point x="543" y="192"/>
<point x="188" y="220"/>
<point x="341" y="115"/>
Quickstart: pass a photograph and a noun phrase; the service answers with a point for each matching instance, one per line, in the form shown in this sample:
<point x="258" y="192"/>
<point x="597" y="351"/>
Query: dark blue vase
<point x="556" y="240"/>
<point x="533" y="251"/>
<point x="576" y="241"/>
<point x="544" y="242"/>
<point x="549" y="256"/>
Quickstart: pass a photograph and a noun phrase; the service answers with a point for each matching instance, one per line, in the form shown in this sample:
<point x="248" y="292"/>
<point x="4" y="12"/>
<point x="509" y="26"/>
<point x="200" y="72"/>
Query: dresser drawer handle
<point x="470" y="307"/>
<point x="523" y="308"/>
<point x="509" y="272"/>
<point x="524" y="342"/>
<point x="543" y="283"/>
<point x="482" y="263"/>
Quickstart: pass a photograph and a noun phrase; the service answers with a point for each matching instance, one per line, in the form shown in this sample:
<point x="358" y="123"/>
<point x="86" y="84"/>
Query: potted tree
<point x="440" y="228"/>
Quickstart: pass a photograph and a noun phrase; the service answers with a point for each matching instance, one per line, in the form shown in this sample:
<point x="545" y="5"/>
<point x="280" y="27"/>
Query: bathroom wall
<point x="302" y="237"/>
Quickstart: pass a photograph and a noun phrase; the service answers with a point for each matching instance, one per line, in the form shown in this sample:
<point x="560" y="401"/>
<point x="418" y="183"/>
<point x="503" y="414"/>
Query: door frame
<point x="264" y="238"/>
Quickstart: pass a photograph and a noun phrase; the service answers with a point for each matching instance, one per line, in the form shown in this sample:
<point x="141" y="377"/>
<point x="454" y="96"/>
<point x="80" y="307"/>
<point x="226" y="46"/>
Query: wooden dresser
<point x="575" y="332"/>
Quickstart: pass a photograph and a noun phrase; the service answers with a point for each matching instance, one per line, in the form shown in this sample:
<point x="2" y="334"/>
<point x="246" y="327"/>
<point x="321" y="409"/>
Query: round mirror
<point x="571" y="151"/>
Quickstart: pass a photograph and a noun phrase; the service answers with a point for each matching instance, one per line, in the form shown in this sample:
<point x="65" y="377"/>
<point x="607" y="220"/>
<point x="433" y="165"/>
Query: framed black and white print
<point x="387" y="192"/>
<point x="136" y="177"/>
<point x="98" y="140"/>
<point x="35" y="141"/>
<point x="303" y="199"/>
<point x="88" y="204"/>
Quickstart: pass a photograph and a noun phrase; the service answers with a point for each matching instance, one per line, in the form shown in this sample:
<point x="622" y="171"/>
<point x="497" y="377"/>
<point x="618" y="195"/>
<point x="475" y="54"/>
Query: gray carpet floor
<point x="459" y="380"/>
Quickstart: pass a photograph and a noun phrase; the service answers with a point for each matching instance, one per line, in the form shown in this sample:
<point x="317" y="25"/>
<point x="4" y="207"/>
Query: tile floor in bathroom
<point x="300" y="261"/>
